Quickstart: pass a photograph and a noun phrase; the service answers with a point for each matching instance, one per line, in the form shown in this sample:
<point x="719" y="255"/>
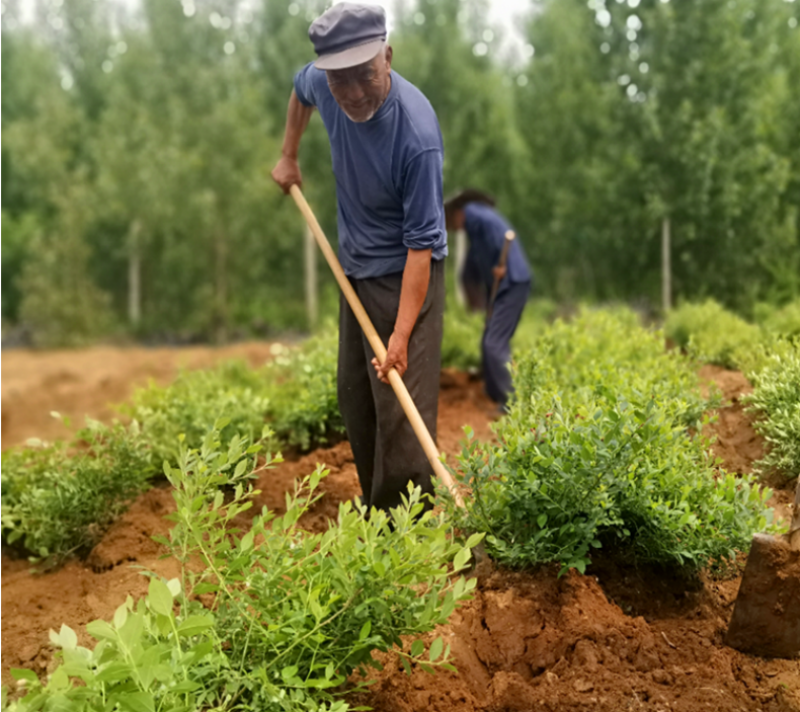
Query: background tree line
<point x="137" y="144"/>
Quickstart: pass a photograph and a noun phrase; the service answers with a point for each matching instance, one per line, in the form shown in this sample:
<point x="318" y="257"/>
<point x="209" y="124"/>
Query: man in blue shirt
<point x="473" y="211"/>
<point x="387" y="161"/>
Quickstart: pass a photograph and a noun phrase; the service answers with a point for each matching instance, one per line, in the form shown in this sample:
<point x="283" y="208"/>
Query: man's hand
<point x="396" y="356"/>
<point x="499" y="272"/>
<point x="287" y="173"/>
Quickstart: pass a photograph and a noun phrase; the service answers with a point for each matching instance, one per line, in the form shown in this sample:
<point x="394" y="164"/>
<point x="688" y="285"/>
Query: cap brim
<point x="351" y="57"/>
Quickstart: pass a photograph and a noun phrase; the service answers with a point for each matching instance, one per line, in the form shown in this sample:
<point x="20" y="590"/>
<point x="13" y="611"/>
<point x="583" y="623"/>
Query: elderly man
<point x="387" y="160"/>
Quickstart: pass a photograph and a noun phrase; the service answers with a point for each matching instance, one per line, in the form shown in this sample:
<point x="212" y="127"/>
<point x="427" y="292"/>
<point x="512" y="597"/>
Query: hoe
<point x="766" y="616"/>
<point x="410" y="409"/>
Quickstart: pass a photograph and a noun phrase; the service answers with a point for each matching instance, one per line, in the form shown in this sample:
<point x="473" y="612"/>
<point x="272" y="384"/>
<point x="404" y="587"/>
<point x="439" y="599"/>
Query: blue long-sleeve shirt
<point x="388" y="174"/>
<point x="486" y="230"/>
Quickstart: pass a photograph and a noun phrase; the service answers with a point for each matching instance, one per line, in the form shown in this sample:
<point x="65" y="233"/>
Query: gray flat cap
<point x="348" y="34"/>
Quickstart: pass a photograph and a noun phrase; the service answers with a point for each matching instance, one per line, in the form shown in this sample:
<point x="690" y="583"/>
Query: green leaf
<point x="240" y="469"/>
<point x="247" y="541"/>
<point x="130" y="633"/>
<point x="120" y="616"/>
<point x="117" y="671"/>
<point x="461" y="559"/>
<point x="202" y="588"/>
<point x="406" y="664"/>
<point x="136" y="701"/>
<point x="159" y="597"/>
<point x="185" y="686"/>
<point x="474" y="540"/>
<point x="436" y="649"/>
<point x="101" y="630"/>
<point x="417" y="648"/>
<point x="365" y="630"/>
<point x="195" y="625"/>
<point x="65" y="638"/>
<point x="289" y="672"/>
<point x="22" y="674"/>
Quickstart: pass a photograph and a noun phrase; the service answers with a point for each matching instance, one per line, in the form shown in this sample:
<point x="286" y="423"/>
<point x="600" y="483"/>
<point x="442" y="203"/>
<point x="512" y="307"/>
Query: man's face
<point x="361" y="90"/>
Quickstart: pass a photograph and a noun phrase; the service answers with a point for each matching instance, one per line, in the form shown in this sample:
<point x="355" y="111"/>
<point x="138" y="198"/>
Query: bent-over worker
<point x="473" y="211"/>
<point x="387" y="161"/>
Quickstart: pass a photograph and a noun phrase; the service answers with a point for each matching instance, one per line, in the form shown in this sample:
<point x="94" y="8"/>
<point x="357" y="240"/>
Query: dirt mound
<point x="537" y="642"/>
<point x="766" y="620"/>
<point x="461" y="403"/>
<point x="339" y="486"/>
<point x="82" y="592"/>
<point x="130" y="539"/>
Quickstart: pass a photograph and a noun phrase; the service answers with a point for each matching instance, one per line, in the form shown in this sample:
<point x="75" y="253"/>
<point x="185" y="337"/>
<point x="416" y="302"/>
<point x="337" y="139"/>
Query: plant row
<point x="711" y="334"/>
<point x="271" y="619"/>
<point x="769" y="355"/>
<point x="58" y="499"/>
<point x="602" y="450"/>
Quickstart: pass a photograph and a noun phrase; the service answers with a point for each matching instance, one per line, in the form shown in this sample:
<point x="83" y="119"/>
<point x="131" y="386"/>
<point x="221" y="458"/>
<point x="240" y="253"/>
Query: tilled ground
<point x="615" y="639"/>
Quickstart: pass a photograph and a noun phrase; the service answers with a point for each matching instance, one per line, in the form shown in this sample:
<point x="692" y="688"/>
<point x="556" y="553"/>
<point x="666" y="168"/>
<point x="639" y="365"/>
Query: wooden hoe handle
<point x="510" y="235"/>
<point x="421" y="431"/>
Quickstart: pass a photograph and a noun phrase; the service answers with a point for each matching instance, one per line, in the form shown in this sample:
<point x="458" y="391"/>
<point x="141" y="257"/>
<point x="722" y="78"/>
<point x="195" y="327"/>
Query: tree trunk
<point x="221" y="286"/>
<point x="666" y="267"/>
<point x="135" y="275"/>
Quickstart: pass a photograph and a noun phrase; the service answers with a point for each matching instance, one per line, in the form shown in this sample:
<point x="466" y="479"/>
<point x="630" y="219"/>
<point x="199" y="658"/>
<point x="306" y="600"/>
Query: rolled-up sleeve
<point x="423" y="204"/>
<point x="304" y="86"/>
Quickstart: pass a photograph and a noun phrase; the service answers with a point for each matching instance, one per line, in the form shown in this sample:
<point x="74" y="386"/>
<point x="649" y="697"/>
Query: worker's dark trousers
<point x="496" y="344"/>
<point x="386" y="450"/>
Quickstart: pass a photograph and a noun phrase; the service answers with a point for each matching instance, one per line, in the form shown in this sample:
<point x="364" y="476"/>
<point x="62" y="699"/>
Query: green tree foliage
<point x="143" y="135"/>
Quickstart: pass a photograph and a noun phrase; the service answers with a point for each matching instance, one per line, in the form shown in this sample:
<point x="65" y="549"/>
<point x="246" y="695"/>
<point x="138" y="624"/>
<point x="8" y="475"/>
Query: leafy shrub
<point x="611" y="475"/>
<point x="304" y="405"/>
<point x="712" y="334"/>
<point x="290" y="615"/>
<point x="59" y="499"/>
<point x="463" y="331"/>
<point x="776" y="398"/>
<point x="607" y="347"/>
<point x="596" y="452"/>
<point x="195" y="401"/>
<point x="781" y="322"/>
<point x="461" y="342"/>
<point x="538" y="314"/>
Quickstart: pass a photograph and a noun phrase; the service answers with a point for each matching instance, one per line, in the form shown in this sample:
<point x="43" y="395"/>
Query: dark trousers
<point x="496" y="343"/>
<point x="386" y="450"/>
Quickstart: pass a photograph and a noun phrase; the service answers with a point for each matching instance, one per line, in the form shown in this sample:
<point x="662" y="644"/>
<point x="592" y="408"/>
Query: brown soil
<point x="736" y="442"/>
<point x="537" y="642"/>
<point x="88" y="382"/>
<point x="619" y="639"/>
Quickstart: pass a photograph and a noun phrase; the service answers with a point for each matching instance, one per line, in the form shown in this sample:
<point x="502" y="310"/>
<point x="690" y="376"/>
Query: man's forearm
<point x="416" y="276"/>
<point x="297" y="118"/>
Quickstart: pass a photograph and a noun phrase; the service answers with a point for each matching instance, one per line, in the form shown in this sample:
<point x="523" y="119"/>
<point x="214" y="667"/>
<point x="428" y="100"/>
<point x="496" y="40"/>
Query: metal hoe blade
<point x="766" y="616"/>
